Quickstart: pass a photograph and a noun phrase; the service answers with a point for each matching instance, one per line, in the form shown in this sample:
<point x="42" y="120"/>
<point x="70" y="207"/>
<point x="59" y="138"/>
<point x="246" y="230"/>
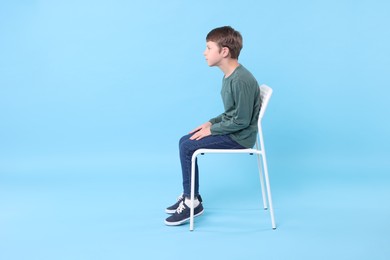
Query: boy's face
<point x="213" y="54"/>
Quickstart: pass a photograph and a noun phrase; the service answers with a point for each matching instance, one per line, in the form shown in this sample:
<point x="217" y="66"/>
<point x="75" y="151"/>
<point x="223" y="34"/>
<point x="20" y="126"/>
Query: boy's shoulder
<point x="242" y="74"/>
<point x="243" y="70"/>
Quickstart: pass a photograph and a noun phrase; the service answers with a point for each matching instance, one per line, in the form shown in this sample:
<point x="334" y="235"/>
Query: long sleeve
<point x="238" y="116"/>
<point x="216" y="119"/>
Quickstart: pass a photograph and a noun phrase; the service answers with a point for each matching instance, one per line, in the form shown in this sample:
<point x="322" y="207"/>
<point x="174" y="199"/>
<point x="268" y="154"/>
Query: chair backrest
<point x="265" y="94"/>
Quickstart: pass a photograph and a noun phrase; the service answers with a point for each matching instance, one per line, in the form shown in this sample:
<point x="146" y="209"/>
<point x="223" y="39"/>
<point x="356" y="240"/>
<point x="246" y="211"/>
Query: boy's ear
<point x="225" y="52"/>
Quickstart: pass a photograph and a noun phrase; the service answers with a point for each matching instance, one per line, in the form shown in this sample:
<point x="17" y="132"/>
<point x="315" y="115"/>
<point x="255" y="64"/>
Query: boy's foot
<point x="182" y="214"/>
<point x="172" y="209"/>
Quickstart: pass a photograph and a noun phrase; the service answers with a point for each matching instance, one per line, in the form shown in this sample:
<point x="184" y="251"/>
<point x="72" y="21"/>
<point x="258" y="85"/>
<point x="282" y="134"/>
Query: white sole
<point x="181" y="222"/>
<point x="170" y="211"/>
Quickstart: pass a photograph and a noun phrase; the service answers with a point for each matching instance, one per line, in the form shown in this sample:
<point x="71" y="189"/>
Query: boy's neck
<point x="229" y="66"/>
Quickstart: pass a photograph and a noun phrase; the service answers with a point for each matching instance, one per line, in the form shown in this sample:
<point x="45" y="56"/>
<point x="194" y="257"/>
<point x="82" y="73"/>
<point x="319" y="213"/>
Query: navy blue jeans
<point x="187" y="147"/>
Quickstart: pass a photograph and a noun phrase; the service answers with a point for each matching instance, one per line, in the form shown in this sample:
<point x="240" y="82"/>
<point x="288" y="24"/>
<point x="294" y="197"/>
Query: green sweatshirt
<point x="241" y="99"/>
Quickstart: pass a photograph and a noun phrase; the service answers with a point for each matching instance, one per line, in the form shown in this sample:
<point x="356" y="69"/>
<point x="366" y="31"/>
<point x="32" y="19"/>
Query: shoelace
<point x="181" y="197"/>
<point x="181" y="207"/>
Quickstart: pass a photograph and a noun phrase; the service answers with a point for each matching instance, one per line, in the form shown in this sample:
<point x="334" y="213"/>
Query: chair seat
<point x="204" y="150"/>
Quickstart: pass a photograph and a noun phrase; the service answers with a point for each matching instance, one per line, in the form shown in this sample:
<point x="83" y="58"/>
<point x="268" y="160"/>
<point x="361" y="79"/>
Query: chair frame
<point x="259" y="150"/>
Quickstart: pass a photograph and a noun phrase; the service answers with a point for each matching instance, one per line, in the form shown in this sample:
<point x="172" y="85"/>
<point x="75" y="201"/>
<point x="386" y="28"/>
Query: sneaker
<point x="182" y="214"/>
<point x="172" y="209"/>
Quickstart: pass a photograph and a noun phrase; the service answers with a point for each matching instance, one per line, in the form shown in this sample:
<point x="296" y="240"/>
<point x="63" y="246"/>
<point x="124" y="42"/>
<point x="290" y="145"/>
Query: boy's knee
<point x="184" y="139"/>
<point x="187" y="147"/>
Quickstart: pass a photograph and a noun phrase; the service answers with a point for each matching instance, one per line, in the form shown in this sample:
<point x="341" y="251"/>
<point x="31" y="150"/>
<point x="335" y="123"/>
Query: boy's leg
<point x="187" y="148"/>
<point x="185" y="161"/>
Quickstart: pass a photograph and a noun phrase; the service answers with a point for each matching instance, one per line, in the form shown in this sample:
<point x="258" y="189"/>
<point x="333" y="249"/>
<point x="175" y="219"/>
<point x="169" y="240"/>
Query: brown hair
<point x="226" y="36"/>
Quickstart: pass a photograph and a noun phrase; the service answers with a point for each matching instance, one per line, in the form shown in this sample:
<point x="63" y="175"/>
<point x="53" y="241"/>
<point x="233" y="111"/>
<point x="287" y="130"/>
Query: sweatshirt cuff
<point x="212" y="121"/>
<point x="215" y="129"/>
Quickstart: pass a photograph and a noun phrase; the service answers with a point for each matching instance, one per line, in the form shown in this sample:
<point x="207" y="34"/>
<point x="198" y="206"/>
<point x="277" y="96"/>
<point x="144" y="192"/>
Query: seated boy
<point x="235" y="128"/>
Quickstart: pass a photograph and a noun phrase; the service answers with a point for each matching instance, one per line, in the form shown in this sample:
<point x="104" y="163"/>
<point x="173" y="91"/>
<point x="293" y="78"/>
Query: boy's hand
<point x="201" y="131"/>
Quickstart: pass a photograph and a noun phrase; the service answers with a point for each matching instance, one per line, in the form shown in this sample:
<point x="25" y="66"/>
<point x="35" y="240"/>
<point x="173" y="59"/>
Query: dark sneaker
<point x="172" y="209"/>
<point x="182" y="214"/>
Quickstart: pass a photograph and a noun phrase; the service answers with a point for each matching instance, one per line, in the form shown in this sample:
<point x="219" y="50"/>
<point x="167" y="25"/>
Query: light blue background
<point x="94" y="96"/>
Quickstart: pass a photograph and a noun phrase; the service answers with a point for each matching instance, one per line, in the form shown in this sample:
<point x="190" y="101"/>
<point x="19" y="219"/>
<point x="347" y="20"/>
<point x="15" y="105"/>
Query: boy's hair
<point x="226" y="36"/>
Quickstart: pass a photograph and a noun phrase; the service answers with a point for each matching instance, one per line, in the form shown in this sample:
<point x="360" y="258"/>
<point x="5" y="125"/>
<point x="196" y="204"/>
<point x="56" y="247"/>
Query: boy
<point x="236" y="128"/>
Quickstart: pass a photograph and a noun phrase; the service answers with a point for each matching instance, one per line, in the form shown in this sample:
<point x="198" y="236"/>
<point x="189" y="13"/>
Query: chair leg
<point x="268" y="186"/>
<point x="192" y="191"/>
<point x="259" y="164"/>
<point x="271" y="208"/>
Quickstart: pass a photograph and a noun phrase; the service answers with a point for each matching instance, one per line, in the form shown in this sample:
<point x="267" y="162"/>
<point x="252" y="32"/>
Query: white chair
<point x="265" y="93"/>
